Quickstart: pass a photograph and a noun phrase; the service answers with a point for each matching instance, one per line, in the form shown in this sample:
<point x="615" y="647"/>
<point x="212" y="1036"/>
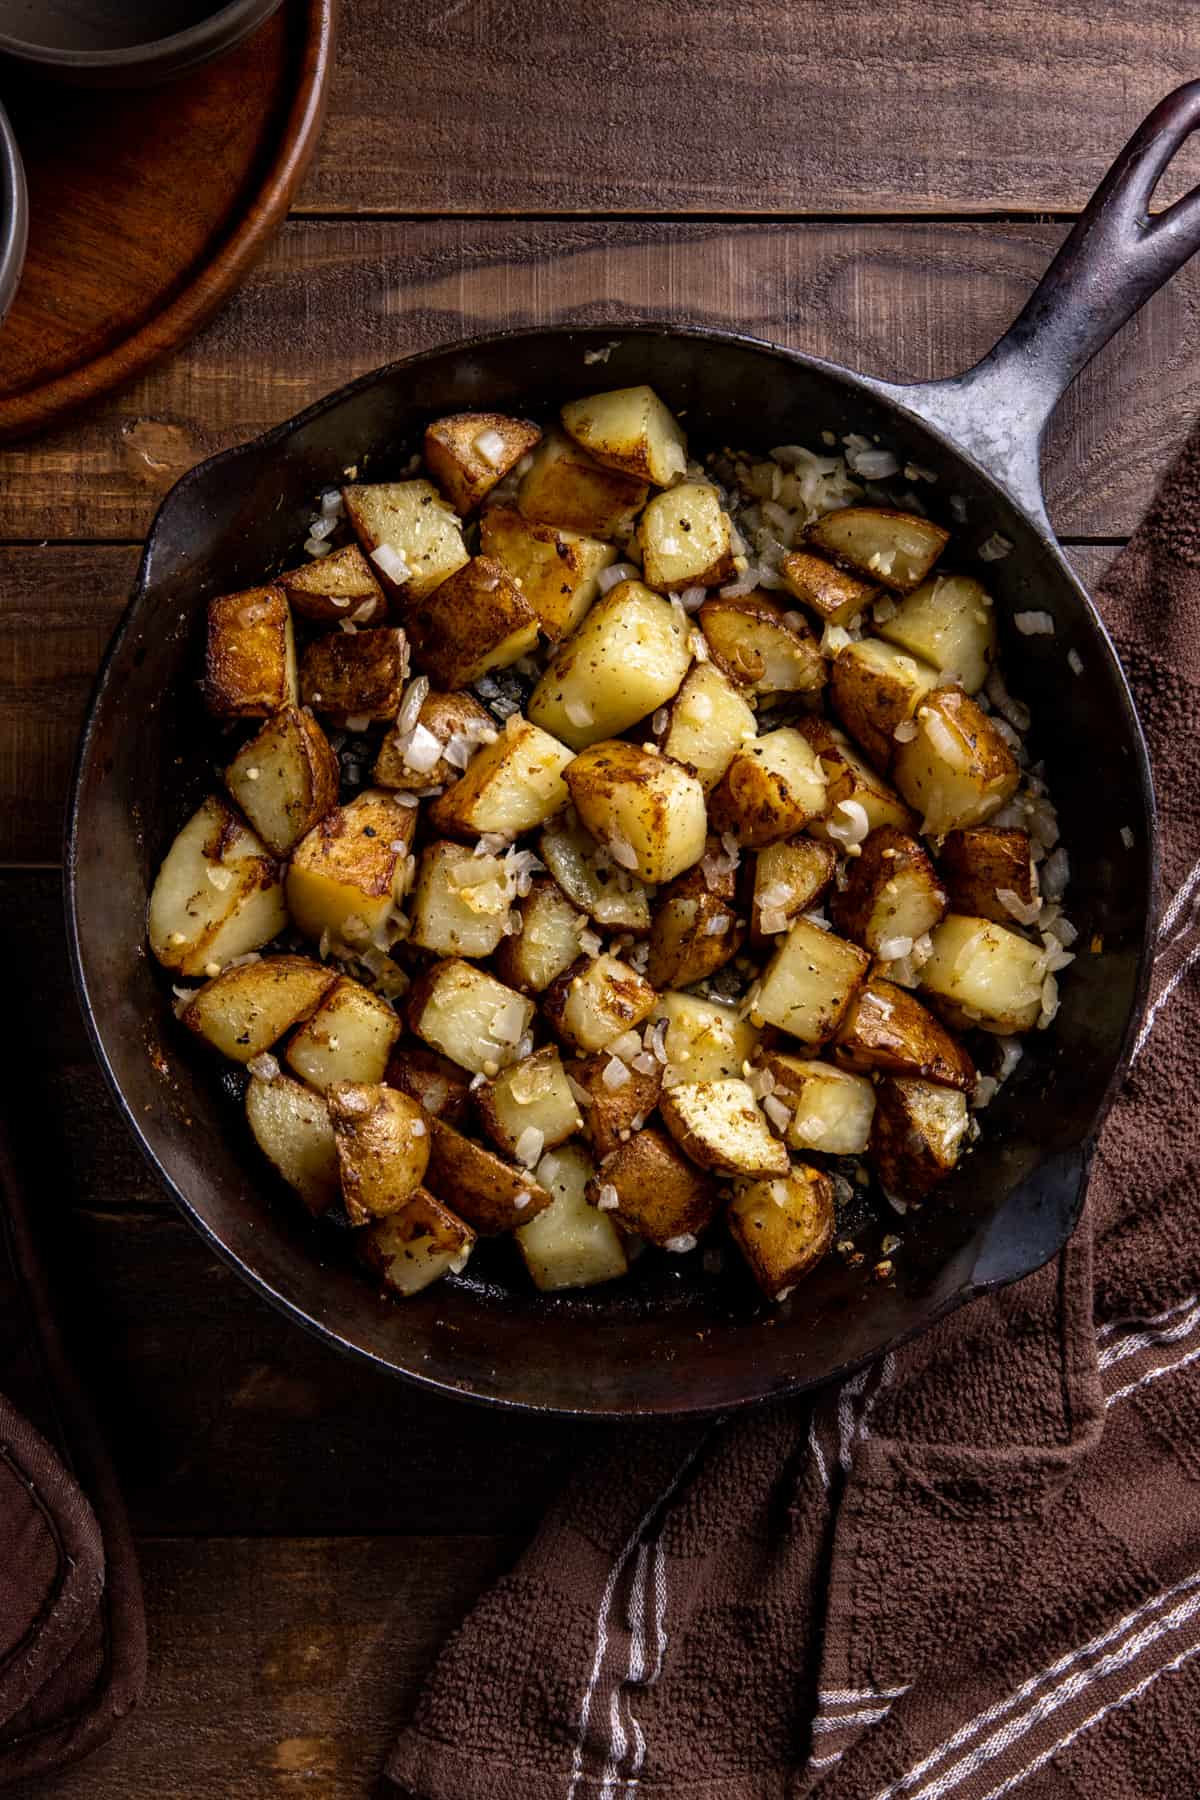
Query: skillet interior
<point x="675" y="1341"/>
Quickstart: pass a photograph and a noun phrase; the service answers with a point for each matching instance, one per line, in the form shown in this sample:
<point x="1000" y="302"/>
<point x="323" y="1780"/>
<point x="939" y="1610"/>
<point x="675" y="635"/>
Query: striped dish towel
<point x="970" y="1571"/>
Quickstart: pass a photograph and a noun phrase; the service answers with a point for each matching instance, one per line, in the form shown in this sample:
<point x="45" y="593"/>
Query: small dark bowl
<point x="14" y="215"/>
<point x="133" y="44"/>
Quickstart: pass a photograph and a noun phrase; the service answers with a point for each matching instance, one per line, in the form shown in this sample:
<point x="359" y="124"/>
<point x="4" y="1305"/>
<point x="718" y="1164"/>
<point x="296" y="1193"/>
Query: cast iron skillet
<point x="676" y="1339"/>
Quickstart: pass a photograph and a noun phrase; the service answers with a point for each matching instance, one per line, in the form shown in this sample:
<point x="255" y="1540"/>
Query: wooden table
<point x="878" y="184"/>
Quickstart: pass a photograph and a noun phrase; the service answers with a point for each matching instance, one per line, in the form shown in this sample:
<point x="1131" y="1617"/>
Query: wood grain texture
<point x="775" y="107"/>
<point x="334" y="300"/>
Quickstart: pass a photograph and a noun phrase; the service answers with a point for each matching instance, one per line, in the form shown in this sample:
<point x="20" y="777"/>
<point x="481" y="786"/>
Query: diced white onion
<point x="423" y="750"/>
<point x="411" y="704"/>
<point x="264" y="1066"/>
<point x="615" y="574"/>
<point x="779" y="1115"/>
<point x="490" y="446"/>
<point x="579" y="714"/>
<point x="615" y="1074"/>
<point x="622" y="851"/>
<point x="679" y="1246"/>
<point x="1034" y="624"/>
<point x="995" y="548"/>
<point x="385" y="557"/>
<point x="529" y="1146"/>
<point x="892" y="947"/>
<point x="854" y="824"/>
<point x="1023" y="911"/>
<point x="608" y="1198"/>
<point x="508" y="1021"/>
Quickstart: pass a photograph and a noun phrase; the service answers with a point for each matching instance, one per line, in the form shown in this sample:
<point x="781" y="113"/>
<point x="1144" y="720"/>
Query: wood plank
<point x="334" y="300"/>
<point x="955" y="105"/>
<point x="282" y="1667"/>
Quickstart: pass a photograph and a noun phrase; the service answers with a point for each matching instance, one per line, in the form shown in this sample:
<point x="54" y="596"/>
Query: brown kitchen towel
<point x="971" y="1570"/>
<point x="72" y="1633"/>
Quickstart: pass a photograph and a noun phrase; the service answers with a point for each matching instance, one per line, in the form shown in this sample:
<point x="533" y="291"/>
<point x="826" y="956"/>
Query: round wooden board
<point x="147" y="208"/>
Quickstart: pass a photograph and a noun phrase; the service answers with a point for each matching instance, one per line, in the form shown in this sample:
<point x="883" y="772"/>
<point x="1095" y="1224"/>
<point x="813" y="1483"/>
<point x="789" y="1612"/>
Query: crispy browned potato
<point x="337" y="586"/>
<point x="696" y="929"/>
<point x="417" y="1245"/>
<point x="558" y="571"/>
<point x="566" y="486"/>
<point x="751" y="640"/>
<point x="413" y="539"/>
<point x="983" y="974"/>
<point x="349" y="874"/>
<point x="789" y="879"/>
<point x="957" y="770"/>
<point x="686" y="539"/>
<point x="874" y="687"/>
<point x="407" y="760"/>
<point x="916" y="1135"/>
<point x="809" y="983"/>
<point x="478" y="619"/>
<point x="529" y="1107"/>
<point x="709" y="720"/>
<point x="510" y="786"/>
<point x="892" y="895"/>
<point x="983" y="862"/>
<point x="468" y="453"/>
<point x="357" y="675"/>
<point x="285" y="779"/>
<point x="718" y="1124"/>
<point x="489" y="1193"/>
<point x="850" y="784"/>
<point x="783" y="1227"/>
<point x="610" y="894"/>
<point x="659" y="1194"/>
<point x="247" y="1009"/>
<point x="888" y="1028"/>
<point x="830" y="1108"/>
<point x="896" y="549"/>
<point x="434" y="1081"/>
<point x="834" y="595"/>
<point x="292" y="1128"/>
<point x="347" y="1038"/>
<point x="596" y="1000"/>
<point x="548" y="941"/>
<point x="629" y="429"/>
<point x="250" y="655"/>
<point x="645" y="808"/>
<point x="468" y="1015"/>
<point x="771" y="789"/>
<point x="382" y="1142"/>
<point x="614" y="1113"/>
<point x="217" y="895"/>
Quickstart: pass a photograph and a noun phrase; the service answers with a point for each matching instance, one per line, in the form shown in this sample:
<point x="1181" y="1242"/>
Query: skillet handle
<point x="1114" y="259"/>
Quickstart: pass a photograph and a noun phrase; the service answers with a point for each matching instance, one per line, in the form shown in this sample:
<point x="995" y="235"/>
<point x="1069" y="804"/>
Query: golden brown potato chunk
<point x="217" y="895"/>
<point x="247" y="1009"/>
<point x="983" y="974"/>
<point x="490" y="1193"/>
<point x="566" y="486"/>
<point x="382" y="1142"/>
<point x="411" y="761"/>
<point x="250" y="656"/>
<point x="957" y="770"/>
<point x="292" y="1128"/>
<point x="548" y="941"/>
<point x="596" y="1000"/>
<point x="751" y="640"/>
<point x="647" y="810"/>
<point x="830" y="1108"/>
<point x="686" y="539"/>
<point x="709" y="720"/>
<point x="439" y="1085"/>
<point x="916" y="1135"/>
<point x="783" y="1227"/>
<point x="510" y="786"/>
<point x="834" y="595"/>
<point x="469" y="1016"/>
<point x="809" y="983"/>
<point x="887" y="1028"/>
<point x="718" y="1124"/>
<point x="459" y="902"/>
<point x="347" y="1038"/>
<point x="789" y="879"/>
<point x="529" y="1107"/>
<point x="771" y="789"/>
<point x="982" y="864"/>
<point x="857" y="798"/>
<point x="591" y="880"/>
<point x="615" y="1112"/>
<point x="630" y="429"/>
<point x="337" y="586"/>
<point x="892" y="895"/>
<point x="412" y="538"/>
<point x="696" y="929"/>
<point x="285" y="779"/>
<point x="895" y="549"/>
<point x="352" y="870"/>
<point x="558" y="571"/>
<point x="476" y="620"/>
<point x="468" y="453"/>
<point x="875" y="688"/>
<point x="655" y="1191"/>
<point x="705" y="1040"/>
<point x="948" y="623"/>
<point x="355" y="676"/>
<point x="416" y="1246"/>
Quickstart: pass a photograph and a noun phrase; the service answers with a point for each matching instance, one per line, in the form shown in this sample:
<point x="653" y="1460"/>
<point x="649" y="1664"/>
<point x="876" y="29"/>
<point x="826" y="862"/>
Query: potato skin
<point x="249" y="659"/>
<point x="617" y="1000"/>
<point x="874" y="687"/>
<point x="245" y="1010"/>
<point x="476" y="620"/>
<point x="557" y="570"/>
<point x="888" y="1028"/>
<point x="419" y="1244"/>
<point x="782" y="1240"/>
<point x="436" y="1083"/>
<point x="568" y="487"/>
<point x="613" y="1110"/>
<point x="771" y="789"/>
<point x="383" y="1147"/>
<point x="445" y="716"/>
<point x="749" y="638"/>
<point x="958" y="770"/>
<point x="836" y="596"/>
<point x="411" y="518"/>
<point x="916" y="1135"/>
<point x="548" y="939"/>
<point x="362" y="675"/>
<point x="855" y="535"/>
<point x="661" y="1194"/>
<point x="462" y="473"/>
<point x="629" y="429"/>
<point x="654" y="804"/>
<point x="977" y="862"/>
<point x="337" y="586"/>
<point x="684" y="948"/>
<point x="509" y="786"/>
<point x="886" y="855"/>
<point x="485" y="1187"/>
<point x="296" y="750"/>
<point x="685" y="539"/>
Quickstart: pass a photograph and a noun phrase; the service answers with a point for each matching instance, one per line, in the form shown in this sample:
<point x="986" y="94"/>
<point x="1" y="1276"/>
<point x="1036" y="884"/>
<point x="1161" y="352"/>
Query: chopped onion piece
<point x="779" y="1114"/>
<point x="1034" y="624"/>
<point x="854" y="824"/>
<point x="615" y="574"/>
<point x="995" y="548"/>
<point x="490" y="446"/>
<point x="608" y="1198"/>
<point x="264" y="1066"/>
<point x="1023" y="911"/>
<point x="529" y="1146"/>
<point x="579" y="713"/>
<point x="508" y="1021"/>
<point x="615" y="1074"/>
<point x="423" y="751"/>
<point x="387" y="558"/>
<point x="679" y="1246"/>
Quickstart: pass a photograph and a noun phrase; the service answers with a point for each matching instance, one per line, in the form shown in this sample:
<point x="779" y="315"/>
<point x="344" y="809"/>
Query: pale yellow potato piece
<point x="382" y="1139"/>
<point x="400" y="763"/>
<point x="751" y="639"/>
<point x="597" y="1001"/>
<point x="771" y="789"/>
<point x="217" y="895"/>
<point x="783" y="1227"/>
<point x="250" y="654"/>
<point x="895" y="549"/>
<point x="245" y="1010"/>
<point x="566" y="486"/>
<point x="347" y="1038"/>
<point x="416" y="1246"/>
<point x="348" y="876"/>
<point x="851" y="782"/>
<point x="456" y="1008"/>
<point x="509" y="786"/>
<point x="874" y="687"/>
<point x="548" y="941"/>
<point x="642" y="806"/>
<point x="809" y="983"/>
<point x="459" y="903"/>
<point x="530" y="1095"/>
<point x="718" y="1124"/>
<point x="409" y="520"/>
<point x="292" y="1128"/>
<point x="627" y="659"/>
<point x="612" y="896"/>
<point x="710" y="720"/>
<point x="571" y="1243"/>
<point x="916" y="1135"/>
<point x="991" y="976"/>
<point x="831" y="1108"/>
<point x="705" y="1040"/>
<point x="789" y="878"/>
<point x="476" y="620"/>
<point x="338" y="586"/>
<point x="950" y="623"/>
<point x="285" y="779"/>
<point x="957" y="770"/>
<point x="630" y="429"/>
<point x="558" y="571"/>
<point x="468" y="453"/>
<point x="686" y="539"/>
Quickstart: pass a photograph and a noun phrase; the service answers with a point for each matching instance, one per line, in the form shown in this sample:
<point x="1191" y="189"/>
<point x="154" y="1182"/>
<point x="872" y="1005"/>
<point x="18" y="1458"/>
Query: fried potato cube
<point x="244" y="1011"/>
<point x="509" y="786"/>
<point x="350" y="873"/>
<point x="565" y="486"/>
<point x="984" y="862"/>
<point x="957" y="770"/>
<point x="656" y="1192"/>
<point x="477" y="619"/>
<point x="460" y="902"/>
<point x="357" y="676"/>
<point x="413" y="539"/>
<point x="888" y="1028"/>
<point x="696" y="930"/>
<point x="950" y="624"/>
<point x="647" y="810"/>
<point x="627" y="659"/>
<point x="250" y="654"/>
<point x="718" y="1124"/>
<point x="686" y="539"/>
<point x="771" y="789"/>
<point x="809" y="983"/>
<point x="292" y="1128"/>
<point x="752" y="641"/>
<point x="916" y="1135"/>
<point x="789" y="879"/>
<point x="490" y="1193"/>
<point x="548" y="941"/>
<point x="857" y="798"/>
<point x="705" y="1040"/>
<point x="831" y="1108"/>
<point x="338" y="586"/>
<point x="285" y="779"/>
<point x="630" y="429"/>
<point x="557" y="570"/>
<point x="382" y="1142"/>
<point x="709" y="721"/>
<point x="983" y="974"/>
<point x="529" y="1107"/>
<point x="783" y="1227"/>
<point x="571" y="1243"/>
<point x="217" y="894"/>
<point x="416" y="1246"/>
<point x="613" y="1114"/>
<point x="892" y="895"/>
<point x="469" y="1016"/>
<point x="439" y="1085"/>
<point x="347" y="1038"/>
<point x="468" y="453"/>
<point x="409" y="761"/>
<point x="591" y="880"/>
<point x="874" y="687"/>
<point x="835" y="596"/>
<point x="596" y="1000"/>
<point x="895" y="549"/>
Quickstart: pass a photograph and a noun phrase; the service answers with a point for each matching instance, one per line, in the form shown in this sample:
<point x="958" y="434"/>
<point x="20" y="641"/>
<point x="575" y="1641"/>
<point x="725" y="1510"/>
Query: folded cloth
<point x="971" y="1569"/>
<point x="72" y="1632"/>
